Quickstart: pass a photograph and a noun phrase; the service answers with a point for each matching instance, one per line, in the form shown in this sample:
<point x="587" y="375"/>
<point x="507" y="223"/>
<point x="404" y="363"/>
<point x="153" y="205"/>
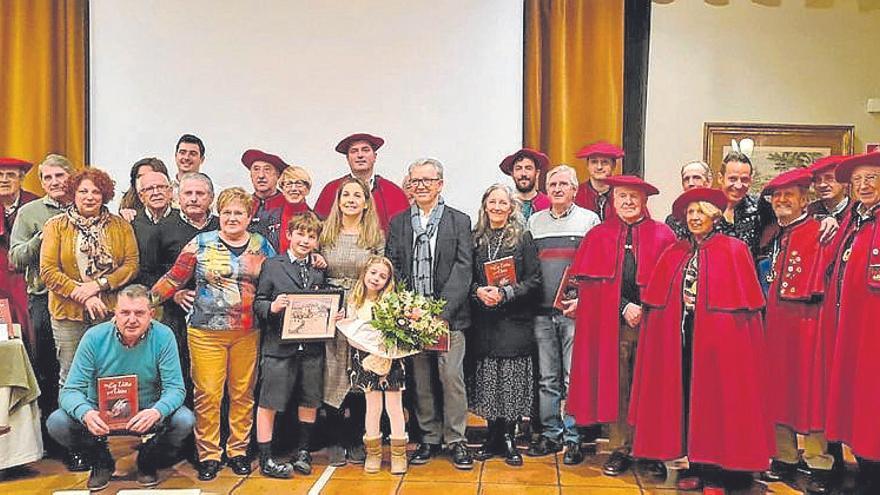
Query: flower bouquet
<point x="409" y="321"/>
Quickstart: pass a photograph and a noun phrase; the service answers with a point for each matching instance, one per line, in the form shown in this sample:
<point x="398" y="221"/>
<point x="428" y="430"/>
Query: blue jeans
<point x="170" y="432"/>
<point x="555" y="337"/>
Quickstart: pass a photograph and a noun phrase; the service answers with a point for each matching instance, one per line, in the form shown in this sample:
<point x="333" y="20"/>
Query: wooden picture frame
<point x="778" y="147"/>
<point x="311" y="316"/>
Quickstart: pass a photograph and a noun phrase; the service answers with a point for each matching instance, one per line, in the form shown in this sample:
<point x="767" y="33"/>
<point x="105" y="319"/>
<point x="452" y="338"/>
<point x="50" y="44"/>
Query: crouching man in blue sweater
<point x="132" y="343"/>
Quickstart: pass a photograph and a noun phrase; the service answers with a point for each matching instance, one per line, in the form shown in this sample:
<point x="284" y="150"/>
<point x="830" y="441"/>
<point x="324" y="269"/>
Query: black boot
<point x="491" y="446"/>
<point x="148" y="461"/>
<point x="102" y="467"/>
<point x="512" y="457"/>
<point x="302" y="461"/>
<point x="269" y="466"/>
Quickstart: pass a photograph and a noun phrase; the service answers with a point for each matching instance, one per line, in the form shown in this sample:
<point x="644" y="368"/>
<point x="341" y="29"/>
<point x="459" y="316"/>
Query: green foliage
<point x="787" y="160"/>
<point x="408" y="321"/>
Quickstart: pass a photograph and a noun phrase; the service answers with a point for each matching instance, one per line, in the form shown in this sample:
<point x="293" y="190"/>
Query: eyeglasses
<point x="156" y="188"/>
<point x="868" y="178"/>
<point x="301" y="184"/>
<point x="424" y="182"/>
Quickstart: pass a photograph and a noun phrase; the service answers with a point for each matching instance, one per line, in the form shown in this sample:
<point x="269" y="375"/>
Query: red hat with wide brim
<point x="802" y="177"/>
<point x="601" y="148"/>
<point x="16" y="163"/>
<point x="825" y="164"/>
<point x="251" y="156"/>
<point x="846" y="167"/>
<point x="713" y="196"/>
<point x="633" y="182"/>
<point x="375" y="141"/>
<point x="541" y="160"/>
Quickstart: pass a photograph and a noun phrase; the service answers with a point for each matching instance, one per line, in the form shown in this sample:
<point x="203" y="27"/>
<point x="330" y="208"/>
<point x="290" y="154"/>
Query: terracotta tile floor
<point x="539" y="476"/>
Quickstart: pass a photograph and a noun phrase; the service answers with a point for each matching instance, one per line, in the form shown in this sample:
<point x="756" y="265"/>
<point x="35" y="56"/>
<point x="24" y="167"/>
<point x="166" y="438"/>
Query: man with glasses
<point x="833" y="197"/>
<point x="431" y="249"/>
<point x="265" y="169"/>
<point x="360" y="151"/>
<point x="154" y="191"/>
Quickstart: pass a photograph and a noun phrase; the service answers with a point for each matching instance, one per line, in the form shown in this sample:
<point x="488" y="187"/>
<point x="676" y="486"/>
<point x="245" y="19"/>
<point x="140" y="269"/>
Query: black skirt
<point x="368" y="381"/>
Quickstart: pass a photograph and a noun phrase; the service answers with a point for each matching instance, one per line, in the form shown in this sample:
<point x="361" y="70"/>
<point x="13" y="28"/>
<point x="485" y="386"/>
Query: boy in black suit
<point x="289" y="367"/>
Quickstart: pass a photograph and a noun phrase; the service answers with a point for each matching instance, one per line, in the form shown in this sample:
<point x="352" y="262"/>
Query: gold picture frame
<point x="311" y="316"/>
<point x="778" y="147"/>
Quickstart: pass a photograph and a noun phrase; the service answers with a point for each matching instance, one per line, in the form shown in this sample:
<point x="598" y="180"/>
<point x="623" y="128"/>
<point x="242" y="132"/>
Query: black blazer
<point x="280" y="276"/>
<point x="453" y="261"/>
<point x="508" y="329"/>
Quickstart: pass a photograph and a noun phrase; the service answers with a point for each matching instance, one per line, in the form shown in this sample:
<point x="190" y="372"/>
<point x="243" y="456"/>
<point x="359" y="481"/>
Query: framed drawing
<point x="778" y="147"/>
<point x="311" y="316"/>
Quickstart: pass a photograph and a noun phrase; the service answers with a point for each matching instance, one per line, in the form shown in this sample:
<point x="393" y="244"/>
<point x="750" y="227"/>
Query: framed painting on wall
<point x="778" y="147"/>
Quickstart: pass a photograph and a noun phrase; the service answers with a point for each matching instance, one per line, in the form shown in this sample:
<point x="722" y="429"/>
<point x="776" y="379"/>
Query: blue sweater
<point x="100" y="353"/>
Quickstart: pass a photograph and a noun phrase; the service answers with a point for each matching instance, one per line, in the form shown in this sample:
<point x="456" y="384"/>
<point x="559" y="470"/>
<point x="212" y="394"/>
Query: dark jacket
<point x="507" y="330"/>
<point x="453" y="261"/>
<point x="146" y="231"/>
<point x="280" y="276"/>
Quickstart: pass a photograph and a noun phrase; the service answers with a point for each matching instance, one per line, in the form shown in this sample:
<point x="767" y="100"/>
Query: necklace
<point x="498" y="237"/>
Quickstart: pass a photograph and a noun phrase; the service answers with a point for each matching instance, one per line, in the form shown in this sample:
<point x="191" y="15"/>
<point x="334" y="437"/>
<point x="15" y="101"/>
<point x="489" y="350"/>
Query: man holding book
<point x="132" y="358"/>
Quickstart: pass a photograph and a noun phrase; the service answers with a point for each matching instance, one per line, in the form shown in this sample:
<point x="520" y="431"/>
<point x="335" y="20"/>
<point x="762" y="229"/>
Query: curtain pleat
<point x="43" y="81"/>
<point x="573" y="76"/>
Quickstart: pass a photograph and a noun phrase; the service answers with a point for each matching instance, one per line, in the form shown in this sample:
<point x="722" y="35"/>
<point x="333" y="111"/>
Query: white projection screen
<point x="438" y="78"/>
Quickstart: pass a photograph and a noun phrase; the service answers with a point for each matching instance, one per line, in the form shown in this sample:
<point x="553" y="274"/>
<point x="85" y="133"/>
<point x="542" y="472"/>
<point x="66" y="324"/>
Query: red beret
<point x="16" y="163"/>
<point x="251" y="156"/>
<point x="375" y="141"/>
<point x="713" y="196"/>
<point x="825" y="164"/>
<point x="632" y="181"/>
<point x="845" y="167"/>
<point x="600" y="148"/>
<point x="541" y="160"/>
<point x="794" y="177"/>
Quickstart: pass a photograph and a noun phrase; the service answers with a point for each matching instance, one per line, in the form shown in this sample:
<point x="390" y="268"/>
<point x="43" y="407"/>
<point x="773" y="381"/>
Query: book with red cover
<point x="568" y="289"/>
<point x="117" y="400"/>
<point x="5" y="312"/>
<point x="500" y="272"/>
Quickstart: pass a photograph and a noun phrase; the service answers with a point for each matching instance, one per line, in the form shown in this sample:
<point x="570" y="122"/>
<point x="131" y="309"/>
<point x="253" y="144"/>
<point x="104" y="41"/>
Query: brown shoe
<point x="398" y="455"/>
<point x="373" y="447"/>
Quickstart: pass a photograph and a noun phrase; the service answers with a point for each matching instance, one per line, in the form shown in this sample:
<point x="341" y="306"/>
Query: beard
<point x="528" y="187"/>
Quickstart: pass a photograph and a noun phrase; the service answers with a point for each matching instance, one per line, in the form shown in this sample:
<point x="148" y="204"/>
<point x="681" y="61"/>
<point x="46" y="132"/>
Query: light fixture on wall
<point x="873" y="105"/>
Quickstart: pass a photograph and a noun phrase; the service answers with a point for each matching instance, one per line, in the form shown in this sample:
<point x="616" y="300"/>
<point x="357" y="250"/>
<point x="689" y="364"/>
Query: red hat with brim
<point x="375" y="141"/>
<point x="251" y="156"/>
<point x="601" y="148"/>
<point x="713" y="196"/>
<point x="801" y="177"/>
<point x="16" y="163"/>
<point x="541" y="160"/>
<point x="633" y="182"/>
<point x="846" y="167"/>
<point x="825" y="164"/>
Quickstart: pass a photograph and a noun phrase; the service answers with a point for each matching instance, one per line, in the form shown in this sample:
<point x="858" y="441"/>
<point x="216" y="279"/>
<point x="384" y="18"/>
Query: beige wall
<point x="748" y="62"/>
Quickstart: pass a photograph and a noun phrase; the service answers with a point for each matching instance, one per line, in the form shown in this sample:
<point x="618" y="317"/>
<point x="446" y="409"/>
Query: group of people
<point x="717" y="335"/>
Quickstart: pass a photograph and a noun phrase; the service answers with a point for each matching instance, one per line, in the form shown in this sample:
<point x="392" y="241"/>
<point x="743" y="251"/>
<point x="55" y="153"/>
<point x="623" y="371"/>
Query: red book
<point x="5" y="312"/>
<point x="117" y="400"/>
<point x="500" y="272"/>
<point x="568" y="289"/>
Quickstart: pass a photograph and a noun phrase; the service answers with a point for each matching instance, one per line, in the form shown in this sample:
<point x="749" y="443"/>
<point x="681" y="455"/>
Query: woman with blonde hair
<point x="350" y="236"/>
<point x="222" y="333"/>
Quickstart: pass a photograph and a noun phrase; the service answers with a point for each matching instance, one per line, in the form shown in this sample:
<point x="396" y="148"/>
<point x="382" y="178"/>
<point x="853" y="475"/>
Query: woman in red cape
<point x="700" y="381"/>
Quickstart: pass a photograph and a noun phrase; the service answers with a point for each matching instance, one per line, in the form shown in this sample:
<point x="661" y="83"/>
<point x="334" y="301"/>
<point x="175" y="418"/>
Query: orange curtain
<point x="573" y="81"/>
<point x="43" y="81"/>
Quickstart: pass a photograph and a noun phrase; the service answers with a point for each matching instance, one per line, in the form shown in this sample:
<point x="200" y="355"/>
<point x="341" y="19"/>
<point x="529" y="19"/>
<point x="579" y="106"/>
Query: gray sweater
<point x="25" y="240"/>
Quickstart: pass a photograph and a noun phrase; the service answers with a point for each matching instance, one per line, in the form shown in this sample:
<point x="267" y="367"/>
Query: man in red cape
<point x="595" y="194"/>
<point x="613" y="264"/>
<point x="798" y="357"/>
<point x="849" y="311"/>
<point x="13" y="285"/>
<point x="265" y="169"/>
<point x="700" y="381"/>
<point x="360" y="151"/>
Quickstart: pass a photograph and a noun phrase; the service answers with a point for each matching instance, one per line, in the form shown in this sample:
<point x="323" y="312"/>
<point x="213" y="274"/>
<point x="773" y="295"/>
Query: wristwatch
<point x="103" y="284"/>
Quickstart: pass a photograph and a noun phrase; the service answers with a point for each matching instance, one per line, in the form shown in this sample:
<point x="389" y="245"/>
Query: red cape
<point x="586" y="198"/>
<point x="593" y="392"/>
<point x="388" y="196"/>
<point x="540" y="202"/>
<point x="728" y="422"/>
<point x="12" y="284"/>
<point x="853" y="390"/>
<point x="798" y="353"/>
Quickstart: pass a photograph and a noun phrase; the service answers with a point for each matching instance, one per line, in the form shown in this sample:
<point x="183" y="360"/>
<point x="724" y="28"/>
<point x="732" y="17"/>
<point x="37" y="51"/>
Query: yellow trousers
<point x="223" y="358"/>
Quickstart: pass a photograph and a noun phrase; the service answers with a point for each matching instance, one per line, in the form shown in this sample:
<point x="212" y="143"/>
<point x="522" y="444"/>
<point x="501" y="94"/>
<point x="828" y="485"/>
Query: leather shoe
<point x="240" y="465"/>
<point x="273" y="469"/>
<point x="77" y="462"/>
<point x="461" y="456"/>
<point x="423" y="453"/>
<point x="302" y="462"/>
<point x="147" y="474"/>
<point x="617" y="464"/>
<point x="779" y="471"/>
<point x="543" y="446"/>
<point x="208" y="470"/>
<point x="512" y="457"/>
<point x="655" y="468"/>
<point x="102" y="469"/>
<point x="573" y="454"/>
